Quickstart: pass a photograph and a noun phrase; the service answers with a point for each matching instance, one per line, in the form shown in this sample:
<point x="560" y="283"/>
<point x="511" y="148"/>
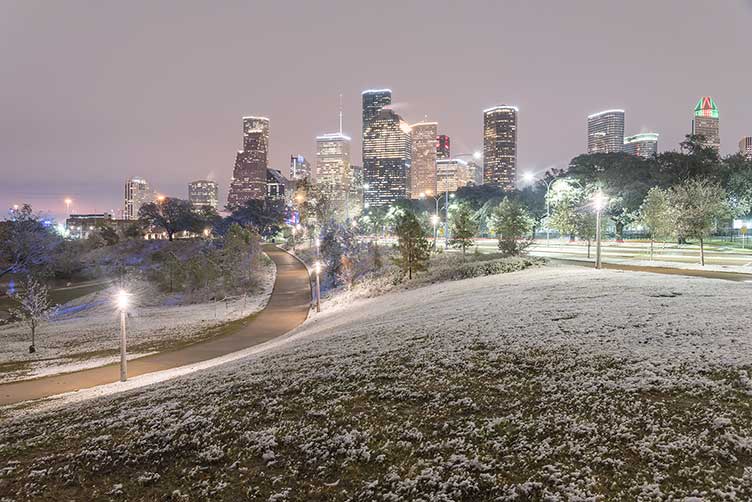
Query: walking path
<point x="708" y="274"/>
<point x="287" y="308"/>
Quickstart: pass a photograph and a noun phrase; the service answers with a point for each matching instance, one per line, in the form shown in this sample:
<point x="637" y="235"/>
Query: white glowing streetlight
<point x="435" y="221"/>
<point x="122" y="301"/>
<point x="599" y="202"/>
<point x="68" y="203"/>
<point x="477" y="155"/>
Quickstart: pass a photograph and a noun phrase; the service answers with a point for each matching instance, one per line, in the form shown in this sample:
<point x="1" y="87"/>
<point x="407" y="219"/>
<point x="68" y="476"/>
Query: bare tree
<point x="34" y="307"/>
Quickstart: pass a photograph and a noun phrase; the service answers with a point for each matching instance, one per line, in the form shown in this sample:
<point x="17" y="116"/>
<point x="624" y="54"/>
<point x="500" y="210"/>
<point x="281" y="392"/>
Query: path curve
<point x="288" y="307"/>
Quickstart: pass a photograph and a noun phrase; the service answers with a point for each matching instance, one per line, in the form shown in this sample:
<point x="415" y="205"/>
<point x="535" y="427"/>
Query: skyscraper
<point x="373" y="101"/>
<point x="745" y="146"/>
<point x="643" y="144"/>
<point x="452" y="174"/>
<point x="423" y="157"/>
<point x="203" y="193"/>
<point x="606" y="132"/>
<point x="137" y="193"/>
<point x="443" y="150"/>
<point x="300" y="168"/>
<point x="706" y="123"/>
<point x="386" y="158"/>
<point x="333" y="173"/>
<point x="249" y="175"/>
<point x="500" y="146"/>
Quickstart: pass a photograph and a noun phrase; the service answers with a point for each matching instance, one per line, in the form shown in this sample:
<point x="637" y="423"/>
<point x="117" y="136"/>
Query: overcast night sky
<point x="93" y="92"/>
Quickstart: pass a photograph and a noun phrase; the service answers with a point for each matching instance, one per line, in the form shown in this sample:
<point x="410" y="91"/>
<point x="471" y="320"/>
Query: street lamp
<point x="529" y="178"/>
<point x="435" y="221"/>
<point x="318" y="286"/>
<point x="68" y="203"/>
<point x="599" y="202"/>
<point x="121" y="300"/>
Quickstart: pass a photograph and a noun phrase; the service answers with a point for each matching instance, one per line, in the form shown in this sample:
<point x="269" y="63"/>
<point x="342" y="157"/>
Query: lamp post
<point x="530" y="177"/>
<point x="318" y="286"/>
<point x="122" y="303"/>
<point x="436" y="199"/>
<point x="435" y="221"/>
<point x="599" y="202"/>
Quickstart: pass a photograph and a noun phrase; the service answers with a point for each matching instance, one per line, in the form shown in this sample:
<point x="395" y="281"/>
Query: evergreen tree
<point x="414" y="248"/>
<point x="699" y="205"/>
<point x="657" y="215"/>
<point x="512" y="223"/>
<point x="463" y="227"/>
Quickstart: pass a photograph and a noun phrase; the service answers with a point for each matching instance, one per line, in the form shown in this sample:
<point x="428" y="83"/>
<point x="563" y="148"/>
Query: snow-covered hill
<point x="556" y="383"/>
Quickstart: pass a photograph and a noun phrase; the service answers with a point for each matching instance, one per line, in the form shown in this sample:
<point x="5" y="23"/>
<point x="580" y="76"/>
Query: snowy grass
<point x="85" y="332"/>
<point x="555" y="383"/>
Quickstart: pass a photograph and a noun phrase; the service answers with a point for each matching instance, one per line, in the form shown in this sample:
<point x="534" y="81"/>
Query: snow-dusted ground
<point x="85" y="333"/>
<point x="559" y="383"/>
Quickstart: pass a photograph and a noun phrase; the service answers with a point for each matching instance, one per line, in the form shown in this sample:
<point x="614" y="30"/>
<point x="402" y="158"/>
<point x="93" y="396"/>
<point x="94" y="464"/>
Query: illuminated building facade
<point x="706" y="123"/>
<point x="452" y="174"/>
<point x="300" y="168"/>
<point x="203" y="193"/>
<point x="500" y="146"/>
<point x="605" y="132"/>
<point x="443" y="150"/>
<point x="276" y="185"/>
<point x="137" y="193"/>
<point x="423" y="159"/>
<point x="745" y="146"/>
<point x="643" y="144"/>
<point x="387" y="156"/>
<point x="249" y="175"/>
<point x="333" y="174"/>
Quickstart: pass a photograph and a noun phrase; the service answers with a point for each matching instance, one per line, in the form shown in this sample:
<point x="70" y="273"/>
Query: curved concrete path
<point x="288" y="307"/>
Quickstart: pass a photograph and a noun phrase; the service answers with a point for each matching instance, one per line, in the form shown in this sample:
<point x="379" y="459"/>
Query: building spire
<point x="340" y="113"/>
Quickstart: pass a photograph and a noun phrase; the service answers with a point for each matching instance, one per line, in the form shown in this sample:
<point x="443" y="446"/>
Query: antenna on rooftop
<point x="340" y="113"/>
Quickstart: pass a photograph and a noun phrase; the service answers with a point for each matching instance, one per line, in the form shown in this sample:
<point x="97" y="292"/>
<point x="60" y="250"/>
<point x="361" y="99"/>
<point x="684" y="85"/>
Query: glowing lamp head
<point x="528" y="177"/>
<point x="318" y="242"/>
<point x="599" y="200"/>
<point x="68" y="202"/>
<point x="477" y="155"/>
<point x="206" y="232"/>
<point x="160" y="198"/>
<point x="451" y="196"/>
<point x="121" y="299"/>
<point x="299" y="199"/>
<point x="434" y="219"/>
<point x="422" y="195"/>
<point x="318" y="267"/>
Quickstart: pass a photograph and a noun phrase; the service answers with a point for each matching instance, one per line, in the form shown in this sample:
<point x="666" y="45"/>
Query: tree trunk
<point x="702" y="252"/>
<point x="33" y="348"/>
<point x="588" y="248"/>
<point x="169" y="236"/>
<point x="619" y="231"/>
<point x="651" y="249"/>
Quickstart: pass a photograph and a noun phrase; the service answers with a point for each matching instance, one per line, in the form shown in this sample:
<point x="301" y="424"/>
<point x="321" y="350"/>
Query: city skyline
<point x="181" y="126"/>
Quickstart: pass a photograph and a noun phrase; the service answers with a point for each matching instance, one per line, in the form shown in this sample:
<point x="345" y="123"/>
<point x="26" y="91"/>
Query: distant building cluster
<point x="403" y="161"/>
